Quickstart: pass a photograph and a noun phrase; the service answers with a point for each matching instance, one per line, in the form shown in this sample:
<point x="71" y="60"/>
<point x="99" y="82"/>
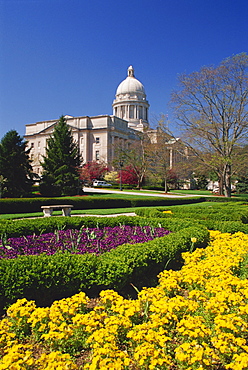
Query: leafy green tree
<point x="60" y="167"/>
<point x="242" y="184"/>
<point x="2" y="182"/>
<point x="15" y="167"/>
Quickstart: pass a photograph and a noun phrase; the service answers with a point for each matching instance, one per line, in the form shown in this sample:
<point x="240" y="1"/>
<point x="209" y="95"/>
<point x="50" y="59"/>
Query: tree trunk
<point x="165" y="185"/>
<point x="221" y="184"/>
<point x="140" y="180"/>
<point x="227" y="181"/>
<point x="139" y="183"/>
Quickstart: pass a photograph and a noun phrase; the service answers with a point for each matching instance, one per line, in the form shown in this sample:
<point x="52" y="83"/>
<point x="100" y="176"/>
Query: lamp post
<point x="121" y="165"/>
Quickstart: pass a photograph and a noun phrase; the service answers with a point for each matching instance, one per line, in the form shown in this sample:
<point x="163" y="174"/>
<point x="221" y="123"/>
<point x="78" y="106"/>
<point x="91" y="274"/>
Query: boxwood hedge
<point x="27" y="205"/>
<point x="223" y="212"/>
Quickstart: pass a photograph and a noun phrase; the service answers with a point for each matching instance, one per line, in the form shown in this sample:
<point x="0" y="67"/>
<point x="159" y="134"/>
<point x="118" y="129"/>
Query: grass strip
<point x="107" y="211"/>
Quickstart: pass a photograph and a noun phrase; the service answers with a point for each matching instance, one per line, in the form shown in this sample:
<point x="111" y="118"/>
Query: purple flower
<point x="85" y="240"/>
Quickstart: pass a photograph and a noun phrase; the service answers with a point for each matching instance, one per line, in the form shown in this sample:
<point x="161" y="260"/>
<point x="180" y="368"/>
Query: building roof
<point x="130" y="85"/>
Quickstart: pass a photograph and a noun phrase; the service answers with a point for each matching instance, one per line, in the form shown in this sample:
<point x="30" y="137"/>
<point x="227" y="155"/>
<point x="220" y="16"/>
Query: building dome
<point x="130" y="102"/>
<point x="130" y="85"/>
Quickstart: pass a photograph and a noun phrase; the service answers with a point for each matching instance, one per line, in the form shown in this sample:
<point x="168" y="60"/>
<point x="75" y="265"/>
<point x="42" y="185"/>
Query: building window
<point x="32" y="145"/>
<point x="97" y="155"/>
<point x="97" y="140"/>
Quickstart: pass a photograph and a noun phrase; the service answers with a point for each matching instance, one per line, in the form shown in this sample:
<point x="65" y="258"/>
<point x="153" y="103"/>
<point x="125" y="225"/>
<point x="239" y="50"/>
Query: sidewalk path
<point x="112" y="215"/>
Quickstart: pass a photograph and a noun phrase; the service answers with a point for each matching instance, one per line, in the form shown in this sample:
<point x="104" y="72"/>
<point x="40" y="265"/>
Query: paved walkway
<point x="113" y="215"/>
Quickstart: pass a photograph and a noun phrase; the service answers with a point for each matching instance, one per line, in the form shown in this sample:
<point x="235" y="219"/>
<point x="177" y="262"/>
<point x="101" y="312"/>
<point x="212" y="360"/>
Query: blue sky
<point x="68" y="56"/>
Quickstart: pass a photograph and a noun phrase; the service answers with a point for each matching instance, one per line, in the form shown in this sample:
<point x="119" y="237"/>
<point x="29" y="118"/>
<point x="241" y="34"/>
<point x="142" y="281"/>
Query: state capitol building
<point x="97" y="136"/>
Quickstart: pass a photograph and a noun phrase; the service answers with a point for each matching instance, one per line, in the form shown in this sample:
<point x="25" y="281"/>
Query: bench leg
<point x="47" y="212"/>
<point x="66" y="211"/>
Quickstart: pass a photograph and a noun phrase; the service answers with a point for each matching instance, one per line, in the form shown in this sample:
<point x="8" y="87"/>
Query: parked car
<point x="101" y="184"/>
<point x="216" y="190"/>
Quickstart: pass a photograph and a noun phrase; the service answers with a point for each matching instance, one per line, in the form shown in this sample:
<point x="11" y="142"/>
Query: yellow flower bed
<point x="196" y="318"/>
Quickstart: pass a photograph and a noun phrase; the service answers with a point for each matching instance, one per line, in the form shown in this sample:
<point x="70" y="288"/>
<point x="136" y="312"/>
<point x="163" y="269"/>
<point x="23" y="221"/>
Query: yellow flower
<point x="194" y="318"/>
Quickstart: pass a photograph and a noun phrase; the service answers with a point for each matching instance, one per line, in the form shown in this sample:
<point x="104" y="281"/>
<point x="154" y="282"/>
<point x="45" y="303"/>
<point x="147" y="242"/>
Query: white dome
<point x="130" y="85"/>
<point x="130" y="102"/>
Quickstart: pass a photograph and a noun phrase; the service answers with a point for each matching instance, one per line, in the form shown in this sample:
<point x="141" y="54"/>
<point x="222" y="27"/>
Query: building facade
<point x="97" y="136"/>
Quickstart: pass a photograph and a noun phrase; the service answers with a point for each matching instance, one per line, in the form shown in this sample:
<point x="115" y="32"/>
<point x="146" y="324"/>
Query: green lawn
<point x="119" y="194"/>
<point x="195" y="192"/>
<point x="103" y="212"/>
<point x="73" y="212"/>
<point x="144" y="191"/>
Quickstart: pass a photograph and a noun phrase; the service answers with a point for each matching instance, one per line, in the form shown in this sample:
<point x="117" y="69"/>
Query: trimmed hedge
<point x="225" y="212"/>
<point x="226" y="199"/>
<point x="46" y="278"/>
<point x="225" y="226"/>
<point x="28" y="205"/>
<point x="15" y="228"/>
<point x="226" y="217"/>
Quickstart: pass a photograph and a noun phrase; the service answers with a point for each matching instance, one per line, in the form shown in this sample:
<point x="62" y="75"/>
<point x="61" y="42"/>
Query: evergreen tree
<point x="201" y="182"/>
<point x="242" y="185"/>
<point x="60" y="166"/>
<point x="15" y="166"/>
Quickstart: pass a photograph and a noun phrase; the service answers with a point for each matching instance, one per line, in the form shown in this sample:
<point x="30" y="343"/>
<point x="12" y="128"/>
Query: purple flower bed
<point x="85" y="240"/>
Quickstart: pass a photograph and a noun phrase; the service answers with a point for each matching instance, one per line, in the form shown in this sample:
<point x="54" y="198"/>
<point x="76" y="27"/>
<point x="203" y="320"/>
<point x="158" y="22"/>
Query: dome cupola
<point x="130" y="102"/>
<point x="130" y="85"/>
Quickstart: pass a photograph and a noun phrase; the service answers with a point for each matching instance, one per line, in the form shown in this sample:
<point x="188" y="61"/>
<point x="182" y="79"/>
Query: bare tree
<point x="159" y="152"/>
<point x="135" y="155"/>
<point x="166" y="151"/>
<point x="211" y="109"/>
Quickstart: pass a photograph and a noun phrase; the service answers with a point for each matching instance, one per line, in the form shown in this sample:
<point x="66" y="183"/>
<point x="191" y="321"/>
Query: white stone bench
<point x="48" y="210"/>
